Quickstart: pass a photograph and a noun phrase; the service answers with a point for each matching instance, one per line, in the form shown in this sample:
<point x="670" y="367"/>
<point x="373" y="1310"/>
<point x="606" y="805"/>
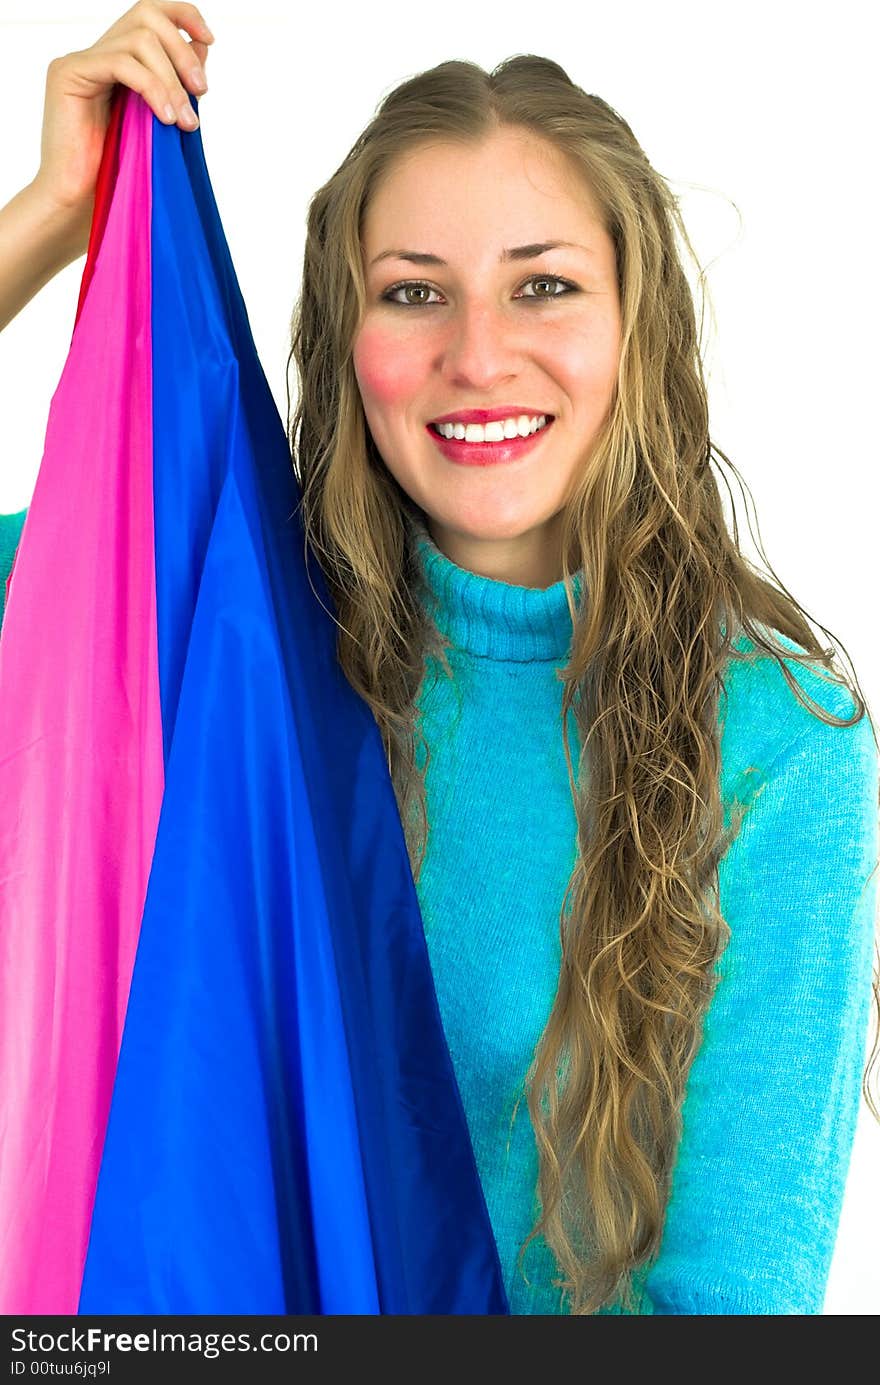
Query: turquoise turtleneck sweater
<point x="773" y="1093"/>
<point x="10" y="533"/>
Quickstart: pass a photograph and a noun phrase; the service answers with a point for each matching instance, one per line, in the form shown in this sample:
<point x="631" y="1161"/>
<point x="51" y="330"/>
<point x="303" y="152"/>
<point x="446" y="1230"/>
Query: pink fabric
<point x="81" y="765"/>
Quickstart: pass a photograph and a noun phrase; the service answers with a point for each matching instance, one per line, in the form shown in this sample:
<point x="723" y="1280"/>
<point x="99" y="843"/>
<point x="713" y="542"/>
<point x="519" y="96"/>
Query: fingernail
<point x="188" y="116"/>
<point x="198" y="79"/>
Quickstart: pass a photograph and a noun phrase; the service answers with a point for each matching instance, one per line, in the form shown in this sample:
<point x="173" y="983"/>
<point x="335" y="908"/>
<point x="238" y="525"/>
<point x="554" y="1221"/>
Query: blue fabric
<point x="286" y="1134"/>
<point x="773" y="1094"/>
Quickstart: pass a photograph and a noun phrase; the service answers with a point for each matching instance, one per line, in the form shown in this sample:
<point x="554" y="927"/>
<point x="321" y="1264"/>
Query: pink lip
<point x="491" y="415"/>
<point x="485" y="453"/>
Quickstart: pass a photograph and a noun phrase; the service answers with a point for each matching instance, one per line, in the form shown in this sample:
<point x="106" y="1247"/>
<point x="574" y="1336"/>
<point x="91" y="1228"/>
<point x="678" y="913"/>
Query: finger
<point x="103" y="67"/>
<point x="187" y="56"/>
<point x="182" y="16"/>
<point x="175" y="69"/>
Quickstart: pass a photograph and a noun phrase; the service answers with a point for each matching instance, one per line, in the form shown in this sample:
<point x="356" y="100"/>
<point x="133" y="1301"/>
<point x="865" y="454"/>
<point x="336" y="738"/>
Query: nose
<point x="482" y="347"/>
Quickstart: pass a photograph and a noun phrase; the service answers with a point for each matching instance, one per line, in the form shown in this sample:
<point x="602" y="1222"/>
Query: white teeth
<point x="495" y="431"/>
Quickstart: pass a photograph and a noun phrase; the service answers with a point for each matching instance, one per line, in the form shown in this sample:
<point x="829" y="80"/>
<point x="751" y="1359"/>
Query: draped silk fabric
<point x="224" y="1083"/>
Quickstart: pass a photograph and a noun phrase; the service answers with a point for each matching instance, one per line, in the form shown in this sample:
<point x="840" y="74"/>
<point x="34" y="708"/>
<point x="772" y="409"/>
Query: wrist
<point x="64" y="224"/>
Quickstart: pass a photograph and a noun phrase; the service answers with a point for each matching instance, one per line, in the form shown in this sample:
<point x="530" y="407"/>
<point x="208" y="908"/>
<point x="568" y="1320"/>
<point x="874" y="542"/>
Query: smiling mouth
<point x="489" y="442"/>
<point x="481" y="453"/>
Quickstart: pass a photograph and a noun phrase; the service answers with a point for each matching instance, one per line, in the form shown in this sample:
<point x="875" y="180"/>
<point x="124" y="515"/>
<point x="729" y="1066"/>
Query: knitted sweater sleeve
<point x="773" y="1093"/>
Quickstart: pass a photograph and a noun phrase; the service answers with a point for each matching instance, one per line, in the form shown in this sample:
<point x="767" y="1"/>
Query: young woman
<point x="641" y="818"/>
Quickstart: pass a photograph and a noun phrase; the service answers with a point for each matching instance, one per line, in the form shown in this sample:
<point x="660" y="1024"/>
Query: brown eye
<point x="536" y="279"/>
<point x="410" y="287"/>
<point x="417" y="288"/>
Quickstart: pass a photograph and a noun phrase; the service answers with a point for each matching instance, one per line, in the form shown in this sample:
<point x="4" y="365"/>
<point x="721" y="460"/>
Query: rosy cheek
<point x="586" y="359"/>
<point x="389" y="371"/>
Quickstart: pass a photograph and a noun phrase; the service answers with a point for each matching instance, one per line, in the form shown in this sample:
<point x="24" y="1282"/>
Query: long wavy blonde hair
<point x="669" y="589"/>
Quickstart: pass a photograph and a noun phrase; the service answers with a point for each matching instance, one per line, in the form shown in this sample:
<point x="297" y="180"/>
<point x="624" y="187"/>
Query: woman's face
<point x="481" y="331"/>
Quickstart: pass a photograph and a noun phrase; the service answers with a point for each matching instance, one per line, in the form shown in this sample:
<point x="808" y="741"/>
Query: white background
<point x="764" y="119"/>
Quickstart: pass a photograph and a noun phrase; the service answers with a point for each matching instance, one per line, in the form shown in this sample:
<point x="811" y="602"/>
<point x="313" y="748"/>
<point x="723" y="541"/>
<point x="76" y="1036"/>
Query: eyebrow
<point x="517" y="252"/>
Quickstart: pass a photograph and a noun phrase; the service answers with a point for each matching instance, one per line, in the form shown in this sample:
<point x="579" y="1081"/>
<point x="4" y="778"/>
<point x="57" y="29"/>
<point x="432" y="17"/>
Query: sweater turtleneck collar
<point x="489" y="618"/>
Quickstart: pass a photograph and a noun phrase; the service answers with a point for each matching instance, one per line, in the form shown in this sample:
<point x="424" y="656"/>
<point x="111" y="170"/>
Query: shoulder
<point x="768" y="726"/>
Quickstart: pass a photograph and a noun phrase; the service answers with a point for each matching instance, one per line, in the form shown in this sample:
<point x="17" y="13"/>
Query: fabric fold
<point x="280" y="1130"/>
